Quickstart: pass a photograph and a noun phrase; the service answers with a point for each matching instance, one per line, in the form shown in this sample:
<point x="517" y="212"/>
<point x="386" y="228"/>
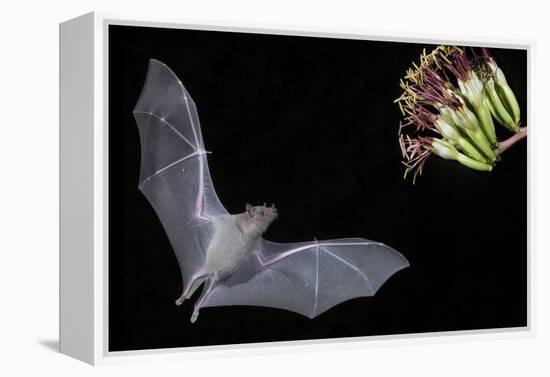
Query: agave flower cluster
<point x="450" y="103"/>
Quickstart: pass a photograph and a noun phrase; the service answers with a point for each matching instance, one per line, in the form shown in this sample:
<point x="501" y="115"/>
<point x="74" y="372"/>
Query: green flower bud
<point x="504" y="92"/>
<point x="451" y="133"/>
<point x="465" y="120"/>
<point x="446" y="150"/>
<point x="499" y="109"/>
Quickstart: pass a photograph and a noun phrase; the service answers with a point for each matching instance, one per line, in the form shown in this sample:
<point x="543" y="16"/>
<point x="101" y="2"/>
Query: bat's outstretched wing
<point x="308" y="277"/>
<point x="174" y="173"/>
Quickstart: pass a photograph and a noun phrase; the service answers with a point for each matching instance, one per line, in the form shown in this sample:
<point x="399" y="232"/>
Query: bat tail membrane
<point x="309" y="278"/>
<point x="174" y="174"/>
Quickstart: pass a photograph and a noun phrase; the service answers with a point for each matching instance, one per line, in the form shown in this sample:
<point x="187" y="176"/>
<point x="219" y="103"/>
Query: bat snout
<point x="273" y="210"/>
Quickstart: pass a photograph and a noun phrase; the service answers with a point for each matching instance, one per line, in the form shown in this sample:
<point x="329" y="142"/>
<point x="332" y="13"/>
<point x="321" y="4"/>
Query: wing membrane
<point x="309" y="277"/>
<point x="174" y="173"/>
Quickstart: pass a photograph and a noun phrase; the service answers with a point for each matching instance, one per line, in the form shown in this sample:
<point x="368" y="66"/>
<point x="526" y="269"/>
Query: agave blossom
<point x="449" y="101"/>
<point x="499" y="96"/>
<point x="417" y="150"/>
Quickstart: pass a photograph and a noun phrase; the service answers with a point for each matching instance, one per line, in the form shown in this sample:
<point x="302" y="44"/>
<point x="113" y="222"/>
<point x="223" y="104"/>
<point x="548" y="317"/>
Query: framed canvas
<point x="396" y="168"/>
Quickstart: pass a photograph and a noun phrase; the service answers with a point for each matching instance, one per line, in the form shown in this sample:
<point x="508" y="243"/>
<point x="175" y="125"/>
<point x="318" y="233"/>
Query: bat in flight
<point x="226" y="252"/>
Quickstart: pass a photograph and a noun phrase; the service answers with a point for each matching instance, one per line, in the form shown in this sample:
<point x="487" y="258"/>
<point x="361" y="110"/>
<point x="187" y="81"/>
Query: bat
<point x="226" y="253"/>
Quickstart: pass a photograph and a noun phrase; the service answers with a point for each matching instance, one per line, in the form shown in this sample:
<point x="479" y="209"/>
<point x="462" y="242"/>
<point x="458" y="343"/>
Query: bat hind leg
<point x="204" y="295"/>
<point x="191" y="288"/>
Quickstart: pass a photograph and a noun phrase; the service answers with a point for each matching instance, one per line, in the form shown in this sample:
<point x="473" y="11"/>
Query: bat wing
<point x="309" y="277"/>
<point x="174" y="173"/>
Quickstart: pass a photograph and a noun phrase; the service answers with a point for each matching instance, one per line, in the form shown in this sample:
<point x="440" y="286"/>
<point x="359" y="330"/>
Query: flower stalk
<point x="520" y="135"/>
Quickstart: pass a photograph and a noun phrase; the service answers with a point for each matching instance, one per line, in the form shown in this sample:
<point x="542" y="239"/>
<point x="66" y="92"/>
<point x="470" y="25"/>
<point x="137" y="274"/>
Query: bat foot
<point x="195" y="315"/>
<point x="180" y="300"/>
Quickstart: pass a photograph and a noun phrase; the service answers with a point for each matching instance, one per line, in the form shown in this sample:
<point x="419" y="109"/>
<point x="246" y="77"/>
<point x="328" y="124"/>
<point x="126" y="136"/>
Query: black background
<point x="310" y="124"/>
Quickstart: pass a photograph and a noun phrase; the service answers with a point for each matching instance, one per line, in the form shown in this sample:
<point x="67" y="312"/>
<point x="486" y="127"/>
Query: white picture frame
<point x="84" y="188"/>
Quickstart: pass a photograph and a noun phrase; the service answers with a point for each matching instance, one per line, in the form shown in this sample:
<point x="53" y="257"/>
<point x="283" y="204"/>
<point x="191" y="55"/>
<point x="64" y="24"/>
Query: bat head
<point x="260" y="217"/>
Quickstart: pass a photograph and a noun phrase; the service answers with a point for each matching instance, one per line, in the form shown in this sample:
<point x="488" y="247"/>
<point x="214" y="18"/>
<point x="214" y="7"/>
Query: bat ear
<point x="249" y="209"/>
